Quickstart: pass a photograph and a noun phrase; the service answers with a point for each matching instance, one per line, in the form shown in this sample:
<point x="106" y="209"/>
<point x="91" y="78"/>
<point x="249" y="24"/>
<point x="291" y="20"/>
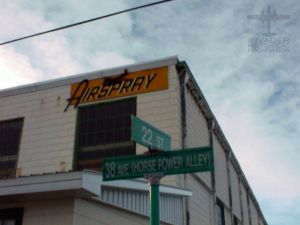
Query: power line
<point x="85" y="21"/>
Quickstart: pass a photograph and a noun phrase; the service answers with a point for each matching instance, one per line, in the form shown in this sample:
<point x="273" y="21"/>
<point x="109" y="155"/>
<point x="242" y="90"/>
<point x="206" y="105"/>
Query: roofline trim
<point x="64" y="81"/>
<point x="83" y="181"/>
<point x="86" y="181"/>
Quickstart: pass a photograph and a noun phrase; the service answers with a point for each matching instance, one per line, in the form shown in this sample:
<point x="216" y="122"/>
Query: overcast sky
<point x="254" y="95"/>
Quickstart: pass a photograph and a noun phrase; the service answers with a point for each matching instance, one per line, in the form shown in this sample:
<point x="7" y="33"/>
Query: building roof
<point x="53" y="83"/>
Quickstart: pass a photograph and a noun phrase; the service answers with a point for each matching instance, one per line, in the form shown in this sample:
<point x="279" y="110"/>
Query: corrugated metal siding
<point x="171" y="206"/>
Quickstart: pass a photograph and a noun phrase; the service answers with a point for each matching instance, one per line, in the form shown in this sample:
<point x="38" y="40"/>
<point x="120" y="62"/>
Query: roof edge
<point x="81" y="181"/>
<point x="67" y="80"/>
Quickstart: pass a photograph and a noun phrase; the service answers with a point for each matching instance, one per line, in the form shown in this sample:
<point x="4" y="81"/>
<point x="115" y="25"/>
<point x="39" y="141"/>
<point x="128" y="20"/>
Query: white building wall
<point x="48" y="132"/>
<point x="200" y="204"/>
<point x="45" y="212"/>
<point x="227" y="216"/>
<point x="235" y="192"/>
<point x="171" y="206"/>
<point x="254" y="214"/>
<point x="220" y="172"/>
<point x="162" y="110"/>
<point x="244" y="205"/>
<point x="96" y="213"/>
<point x="47" y="143"/>
<point x="261" y="221"/>
<point x="197" y="130"/>
<point x="58" y="212"/>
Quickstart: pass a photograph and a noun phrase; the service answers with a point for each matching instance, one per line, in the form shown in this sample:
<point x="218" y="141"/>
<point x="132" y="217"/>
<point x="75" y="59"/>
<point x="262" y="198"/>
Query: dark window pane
<point x="10" y="135"/>
<point x="104" y="131"/>
<point x="11" y="215"/>
<point x="220" y="213"/>
<point x="235" y="220"/>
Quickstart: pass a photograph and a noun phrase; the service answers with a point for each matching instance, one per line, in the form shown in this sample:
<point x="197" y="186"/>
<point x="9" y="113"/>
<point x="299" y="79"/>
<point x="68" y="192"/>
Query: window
<point x="11" y="216"/>
<point x="220" y="213"/>
<point x="10" y="136"/>
<point x="235" y="220"/>
<point x="104" y="130"/>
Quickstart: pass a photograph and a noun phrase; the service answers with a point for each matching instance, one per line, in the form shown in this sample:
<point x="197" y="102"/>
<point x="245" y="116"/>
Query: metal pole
<point x="154" y="199"/>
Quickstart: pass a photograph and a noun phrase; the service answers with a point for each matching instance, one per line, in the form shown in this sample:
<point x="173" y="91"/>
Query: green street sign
<point x="149" y="136"/>
<point x="170" y="162"/>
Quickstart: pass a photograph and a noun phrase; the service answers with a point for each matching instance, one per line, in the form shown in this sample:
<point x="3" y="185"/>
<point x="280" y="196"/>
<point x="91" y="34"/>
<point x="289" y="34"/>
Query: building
<point x="55" y="134"/>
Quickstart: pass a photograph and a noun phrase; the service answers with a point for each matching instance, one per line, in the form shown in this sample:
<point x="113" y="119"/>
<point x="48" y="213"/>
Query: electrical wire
<point x="85" y="21"/>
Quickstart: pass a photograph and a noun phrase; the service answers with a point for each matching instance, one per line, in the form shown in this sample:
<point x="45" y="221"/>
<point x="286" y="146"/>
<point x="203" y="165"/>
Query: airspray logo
<point x="268" y="41"/>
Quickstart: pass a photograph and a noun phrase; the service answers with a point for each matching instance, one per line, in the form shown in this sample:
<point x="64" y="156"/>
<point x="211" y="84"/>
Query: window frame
<point x="19" y="140"/>
<point x="220" y="205"/>
<point x="12" y="213"/>
<point x="77" y="130"/>
<point x="235" y="220"/>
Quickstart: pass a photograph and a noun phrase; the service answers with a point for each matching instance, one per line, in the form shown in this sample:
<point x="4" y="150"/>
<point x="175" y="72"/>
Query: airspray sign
<point x="125" y="84"/>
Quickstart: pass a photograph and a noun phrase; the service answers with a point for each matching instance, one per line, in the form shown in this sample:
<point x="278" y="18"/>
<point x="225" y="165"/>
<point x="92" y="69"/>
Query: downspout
<point x="182" y="74"/>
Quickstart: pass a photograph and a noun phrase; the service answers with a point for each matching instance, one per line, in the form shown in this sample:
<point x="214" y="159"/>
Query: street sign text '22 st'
<point x="149" y="136"/>
<point x="168" y="162"/>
